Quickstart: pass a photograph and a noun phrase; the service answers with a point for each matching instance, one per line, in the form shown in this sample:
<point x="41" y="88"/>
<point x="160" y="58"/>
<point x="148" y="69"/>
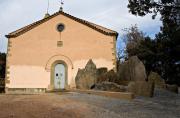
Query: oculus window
<point x="60" y="27"/>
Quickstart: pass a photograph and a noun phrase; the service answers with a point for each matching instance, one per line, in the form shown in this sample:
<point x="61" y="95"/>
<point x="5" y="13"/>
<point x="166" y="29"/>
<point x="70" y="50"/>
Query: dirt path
<point x="74" y="105"/>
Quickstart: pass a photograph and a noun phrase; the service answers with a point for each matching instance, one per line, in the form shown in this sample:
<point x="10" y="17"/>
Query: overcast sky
<point x="112" y="14"/>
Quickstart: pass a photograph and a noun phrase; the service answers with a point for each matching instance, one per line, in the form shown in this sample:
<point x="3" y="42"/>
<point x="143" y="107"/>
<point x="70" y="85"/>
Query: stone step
<point x="56" y="91"/>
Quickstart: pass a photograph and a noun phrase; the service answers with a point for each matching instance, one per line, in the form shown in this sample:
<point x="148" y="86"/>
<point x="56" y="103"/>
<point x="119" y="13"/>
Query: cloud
<point x="112" y="14"/>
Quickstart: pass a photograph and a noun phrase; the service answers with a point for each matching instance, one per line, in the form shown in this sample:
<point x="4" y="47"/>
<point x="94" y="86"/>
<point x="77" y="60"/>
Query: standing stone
<point x="109" y="76"/>
<point x="102" y="71"/>
<point x="86" y="78"/>
<point x="132" y="70"/>
<point x="90" y="66"/>
<point x="137" y="69"/>
<point x="156" y="78"/>
<point x="123" y="72"/>
<point x="141" y="88"/>
<point x="78" y="80"/>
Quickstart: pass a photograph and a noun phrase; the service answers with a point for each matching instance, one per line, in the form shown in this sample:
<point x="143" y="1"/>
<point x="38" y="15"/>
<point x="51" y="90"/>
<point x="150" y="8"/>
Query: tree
<point x="132" y="38"/>
<point x="137" y="44"/>
<point x="120" y="56"/>
<point x="169" y="9"/>
<point x="2" y="65"/>
<point x="167" y="42"/>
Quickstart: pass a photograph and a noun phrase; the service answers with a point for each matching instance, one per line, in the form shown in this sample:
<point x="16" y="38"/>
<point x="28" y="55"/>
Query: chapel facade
<point x="47" y="54"/>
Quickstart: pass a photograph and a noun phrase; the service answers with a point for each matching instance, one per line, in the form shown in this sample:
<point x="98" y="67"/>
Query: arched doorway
<point x="59" y="75"/>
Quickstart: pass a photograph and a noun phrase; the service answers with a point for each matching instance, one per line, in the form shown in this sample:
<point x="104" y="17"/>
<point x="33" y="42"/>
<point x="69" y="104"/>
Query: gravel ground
<point x="75" y="105"/>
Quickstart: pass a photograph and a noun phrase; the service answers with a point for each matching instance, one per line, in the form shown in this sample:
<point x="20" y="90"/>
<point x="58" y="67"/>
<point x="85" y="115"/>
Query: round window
<point x="60" y="27"/>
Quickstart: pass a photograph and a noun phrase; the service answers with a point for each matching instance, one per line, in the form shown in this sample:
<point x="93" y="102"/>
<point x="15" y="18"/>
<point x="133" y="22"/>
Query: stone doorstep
<point x="117" y="95"/>
<point x="32" y="91"/>
<point x="25" y="91"/>
<point x="57" y="91"/>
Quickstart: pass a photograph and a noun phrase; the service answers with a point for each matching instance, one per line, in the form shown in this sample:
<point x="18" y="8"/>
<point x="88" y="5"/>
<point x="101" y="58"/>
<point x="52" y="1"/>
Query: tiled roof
<point x="96" y="27"/>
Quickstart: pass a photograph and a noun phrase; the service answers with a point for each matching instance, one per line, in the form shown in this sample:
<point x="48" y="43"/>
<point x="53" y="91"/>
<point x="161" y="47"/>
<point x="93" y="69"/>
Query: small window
<point x="59" y="43"/>
<point x="60" y="27"/>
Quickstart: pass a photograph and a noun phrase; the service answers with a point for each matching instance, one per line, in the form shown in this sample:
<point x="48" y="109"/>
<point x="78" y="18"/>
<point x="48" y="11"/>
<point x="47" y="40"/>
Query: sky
<point x="112" y="14"/>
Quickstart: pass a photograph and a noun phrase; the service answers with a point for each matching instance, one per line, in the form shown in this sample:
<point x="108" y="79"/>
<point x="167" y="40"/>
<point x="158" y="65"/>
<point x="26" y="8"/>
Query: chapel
<point x="47" y="54"/>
